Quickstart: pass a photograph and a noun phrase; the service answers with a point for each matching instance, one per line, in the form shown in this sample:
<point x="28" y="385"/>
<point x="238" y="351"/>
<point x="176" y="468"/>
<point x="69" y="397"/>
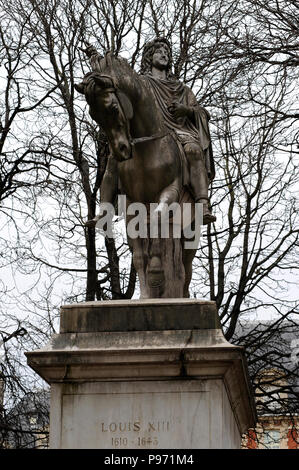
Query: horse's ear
<point x="125" y="104"/>
<point x="79" y="87"/>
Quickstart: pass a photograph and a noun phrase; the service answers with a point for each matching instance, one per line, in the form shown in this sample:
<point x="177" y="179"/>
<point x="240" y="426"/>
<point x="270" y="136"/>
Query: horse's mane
<point x="111" y="65"/>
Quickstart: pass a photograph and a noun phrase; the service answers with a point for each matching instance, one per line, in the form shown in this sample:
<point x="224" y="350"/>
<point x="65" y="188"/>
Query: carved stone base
<point x="148" y="374"/>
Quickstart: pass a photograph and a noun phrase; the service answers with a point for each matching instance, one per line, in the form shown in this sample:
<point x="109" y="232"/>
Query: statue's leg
<point x="199" y="181"/>
<point x="108" y="187"/>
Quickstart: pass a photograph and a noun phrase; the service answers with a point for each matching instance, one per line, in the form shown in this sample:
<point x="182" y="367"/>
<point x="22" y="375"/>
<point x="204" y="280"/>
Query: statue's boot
<point x="207" y="216"/>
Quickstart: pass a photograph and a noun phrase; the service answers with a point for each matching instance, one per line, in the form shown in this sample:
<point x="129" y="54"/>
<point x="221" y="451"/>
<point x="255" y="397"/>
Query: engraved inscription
<point x="158" y="426"/>
<point x="136" y="426"/>
<point x="135" y="433"/>
<point x="121" y="426"/>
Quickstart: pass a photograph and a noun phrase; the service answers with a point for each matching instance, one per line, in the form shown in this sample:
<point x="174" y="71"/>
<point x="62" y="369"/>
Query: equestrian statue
<point x="160" y="152"/>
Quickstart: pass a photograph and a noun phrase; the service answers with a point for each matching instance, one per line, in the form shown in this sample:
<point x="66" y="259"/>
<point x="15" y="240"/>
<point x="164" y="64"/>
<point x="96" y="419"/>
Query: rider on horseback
<point x="184" y="117"/>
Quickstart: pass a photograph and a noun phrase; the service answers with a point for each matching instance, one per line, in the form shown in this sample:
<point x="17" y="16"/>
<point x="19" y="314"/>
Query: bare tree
<point x="239" y="56"/>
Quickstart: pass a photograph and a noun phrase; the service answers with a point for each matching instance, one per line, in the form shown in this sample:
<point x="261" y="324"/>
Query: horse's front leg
<point x="156" y="264"/>
<point x="139" y="250"/>
<point x="109" y="184"/>
<point x="109" y="187"/>
<point x="169" y="195"/>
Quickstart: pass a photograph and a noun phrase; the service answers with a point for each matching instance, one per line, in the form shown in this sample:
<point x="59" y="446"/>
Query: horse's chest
<point x="144" y="176"/>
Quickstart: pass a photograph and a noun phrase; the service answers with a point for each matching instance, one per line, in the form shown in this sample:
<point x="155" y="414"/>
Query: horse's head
<point x="111" y="109"/>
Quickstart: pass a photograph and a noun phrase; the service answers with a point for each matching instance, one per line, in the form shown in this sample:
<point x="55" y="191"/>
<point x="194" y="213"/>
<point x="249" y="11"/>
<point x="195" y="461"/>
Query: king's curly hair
<point x="147" y="56"/>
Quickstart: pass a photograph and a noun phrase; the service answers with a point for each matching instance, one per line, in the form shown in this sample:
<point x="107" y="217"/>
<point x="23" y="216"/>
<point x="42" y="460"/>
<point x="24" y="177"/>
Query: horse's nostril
<point x="122" y="147"/>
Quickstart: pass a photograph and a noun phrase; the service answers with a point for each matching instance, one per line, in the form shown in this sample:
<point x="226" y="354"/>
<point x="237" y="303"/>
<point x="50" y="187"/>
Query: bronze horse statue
<point x="149" y="167"/>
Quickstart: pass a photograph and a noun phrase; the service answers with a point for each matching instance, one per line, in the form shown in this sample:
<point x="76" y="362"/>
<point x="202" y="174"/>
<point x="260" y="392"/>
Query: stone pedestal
<point x="144" y="374"/>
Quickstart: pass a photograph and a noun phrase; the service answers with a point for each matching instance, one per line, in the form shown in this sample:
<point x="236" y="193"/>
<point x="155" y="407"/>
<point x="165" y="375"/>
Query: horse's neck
<point x="147" y="119"/>
<point x="124" y="77"/>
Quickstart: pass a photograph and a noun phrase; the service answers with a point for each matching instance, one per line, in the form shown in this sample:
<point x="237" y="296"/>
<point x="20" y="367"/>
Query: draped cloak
<point x="167" y="91"/>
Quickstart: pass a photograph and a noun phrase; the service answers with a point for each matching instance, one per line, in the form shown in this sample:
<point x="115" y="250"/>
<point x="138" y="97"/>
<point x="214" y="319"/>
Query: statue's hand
<point x="178" y="110"/>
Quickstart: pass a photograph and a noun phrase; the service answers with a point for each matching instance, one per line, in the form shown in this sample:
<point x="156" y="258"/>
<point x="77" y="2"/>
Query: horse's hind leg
<point x="188" y="256"/>
<point x="155" y="270"/>
<point x="140" y="261"/>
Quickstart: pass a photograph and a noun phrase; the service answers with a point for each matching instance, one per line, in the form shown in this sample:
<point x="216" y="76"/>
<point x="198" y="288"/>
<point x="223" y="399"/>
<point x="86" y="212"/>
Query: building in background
<point x="27" y="423"/>
<point x="277" y="429"/>
<point x="276" y="388"/>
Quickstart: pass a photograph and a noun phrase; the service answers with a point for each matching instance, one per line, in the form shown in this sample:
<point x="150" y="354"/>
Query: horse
<point x="149" y="165"/>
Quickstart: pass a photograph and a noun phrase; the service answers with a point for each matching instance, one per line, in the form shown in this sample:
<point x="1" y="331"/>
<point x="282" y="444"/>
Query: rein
<point x="140" y="140"/>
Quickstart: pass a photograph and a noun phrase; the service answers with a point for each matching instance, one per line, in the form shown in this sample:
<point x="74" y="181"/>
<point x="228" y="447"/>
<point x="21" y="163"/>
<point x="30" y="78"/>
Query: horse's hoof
<point x="91" y="223"/>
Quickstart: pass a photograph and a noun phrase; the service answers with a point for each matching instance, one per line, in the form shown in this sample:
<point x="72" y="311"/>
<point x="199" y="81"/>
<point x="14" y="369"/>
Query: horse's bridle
<point x="137" y="140"/>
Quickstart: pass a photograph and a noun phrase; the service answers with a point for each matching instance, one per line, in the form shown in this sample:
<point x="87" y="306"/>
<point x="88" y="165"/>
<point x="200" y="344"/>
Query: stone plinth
<point x="144" y="374"/>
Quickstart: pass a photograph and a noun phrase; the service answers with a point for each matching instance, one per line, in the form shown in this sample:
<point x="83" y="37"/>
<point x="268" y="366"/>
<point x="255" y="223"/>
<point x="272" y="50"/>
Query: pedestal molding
<point x="182" y="360"/>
